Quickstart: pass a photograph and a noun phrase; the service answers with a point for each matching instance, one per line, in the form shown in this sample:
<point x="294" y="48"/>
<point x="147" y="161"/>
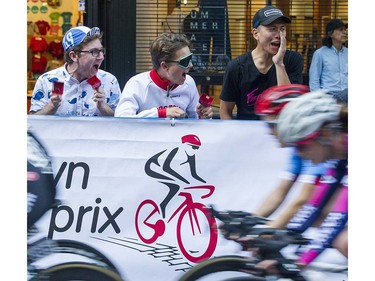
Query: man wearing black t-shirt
<point x="269" y="64"/>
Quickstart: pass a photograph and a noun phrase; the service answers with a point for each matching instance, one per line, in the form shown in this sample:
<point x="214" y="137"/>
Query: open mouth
<point x="275" y="44"/>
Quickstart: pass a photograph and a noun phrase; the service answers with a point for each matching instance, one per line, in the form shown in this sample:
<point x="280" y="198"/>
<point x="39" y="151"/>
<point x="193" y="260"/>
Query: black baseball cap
<point x="267" y="15"/>
<point x="334" y="24"/>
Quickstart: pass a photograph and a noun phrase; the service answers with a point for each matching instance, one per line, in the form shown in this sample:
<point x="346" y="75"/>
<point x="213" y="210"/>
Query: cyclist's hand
<point x="226" y="233"/>
<point x="246" y="244"/>
<point x="301" y="266"/>
<point x="270" y="266"/>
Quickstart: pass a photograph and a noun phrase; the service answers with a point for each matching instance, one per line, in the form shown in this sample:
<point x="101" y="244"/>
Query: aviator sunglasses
<point x="183" y="62"/>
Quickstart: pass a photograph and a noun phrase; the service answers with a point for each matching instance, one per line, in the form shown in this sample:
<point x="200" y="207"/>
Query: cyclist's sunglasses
<point x="183" y="62"/>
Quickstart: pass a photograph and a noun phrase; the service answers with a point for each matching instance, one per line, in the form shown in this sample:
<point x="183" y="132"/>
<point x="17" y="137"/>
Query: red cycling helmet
<point x="273" y="99"/>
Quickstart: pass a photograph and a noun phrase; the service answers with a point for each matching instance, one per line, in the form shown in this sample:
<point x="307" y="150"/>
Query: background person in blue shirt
<point x="329" y="65"/>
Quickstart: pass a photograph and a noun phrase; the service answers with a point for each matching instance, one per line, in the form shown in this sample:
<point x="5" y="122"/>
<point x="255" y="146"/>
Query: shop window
<point x="47" y="22"/>
<point x="221" y="29"/>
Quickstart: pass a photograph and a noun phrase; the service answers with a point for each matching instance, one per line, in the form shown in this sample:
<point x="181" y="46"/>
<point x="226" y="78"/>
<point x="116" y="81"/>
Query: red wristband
<point x="162" y="112"/>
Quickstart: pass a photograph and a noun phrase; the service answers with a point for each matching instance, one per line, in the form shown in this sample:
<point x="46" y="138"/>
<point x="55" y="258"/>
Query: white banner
<point x="114" y="175"/>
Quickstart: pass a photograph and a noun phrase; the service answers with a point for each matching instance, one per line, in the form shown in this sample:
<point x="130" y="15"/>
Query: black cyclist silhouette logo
<point x="177" y="170"/>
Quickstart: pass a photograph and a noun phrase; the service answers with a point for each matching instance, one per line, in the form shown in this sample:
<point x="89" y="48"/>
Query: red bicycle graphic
<point x="150" y="227"/>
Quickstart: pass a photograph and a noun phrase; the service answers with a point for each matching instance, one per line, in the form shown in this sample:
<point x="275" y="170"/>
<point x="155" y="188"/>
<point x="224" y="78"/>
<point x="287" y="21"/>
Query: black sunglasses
<point x="183" y="62"/>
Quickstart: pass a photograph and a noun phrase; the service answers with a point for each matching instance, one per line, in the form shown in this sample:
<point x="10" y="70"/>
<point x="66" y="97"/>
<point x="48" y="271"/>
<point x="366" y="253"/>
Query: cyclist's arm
<point x="287" y="179"/>
<point x="292" y="208"/>
<point x="330" y="229"/>
<point x="274" y="199"/>
<point x="312" y="209"/>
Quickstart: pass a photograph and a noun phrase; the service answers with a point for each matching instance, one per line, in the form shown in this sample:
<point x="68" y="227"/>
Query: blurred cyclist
<point x="318" y="127"/>
<point x="268" y="106"/>
<point x="40" y="184"/>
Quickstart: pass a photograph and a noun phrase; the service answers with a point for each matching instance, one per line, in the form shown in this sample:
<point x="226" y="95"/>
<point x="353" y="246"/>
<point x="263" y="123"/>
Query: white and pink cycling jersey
<point x="334" y="178"/>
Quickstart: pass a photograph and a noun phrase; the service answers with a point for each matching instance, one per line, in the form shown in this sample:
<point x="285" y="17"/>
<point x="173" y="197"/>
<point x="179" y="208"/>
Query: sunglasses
<point x="183" y="62"/>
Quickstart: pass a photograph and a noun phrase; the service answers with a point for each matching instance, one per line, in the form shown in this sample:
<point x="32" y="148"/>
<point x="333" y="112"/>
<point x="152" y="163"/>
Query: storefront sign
<point x="208" y="30"/>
